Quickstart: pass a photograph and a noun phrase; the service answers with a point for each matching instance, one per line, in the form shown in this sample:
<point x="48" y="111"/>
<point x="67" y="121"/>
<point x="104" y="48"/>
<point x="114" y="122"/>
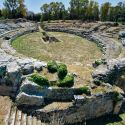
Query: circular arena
<point x="61" y="72"/>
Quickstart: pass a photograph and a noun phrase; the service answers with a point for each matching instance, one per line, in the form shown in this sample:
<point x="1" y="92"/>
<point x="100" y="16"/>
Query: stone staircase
<point x="17" y="117"/>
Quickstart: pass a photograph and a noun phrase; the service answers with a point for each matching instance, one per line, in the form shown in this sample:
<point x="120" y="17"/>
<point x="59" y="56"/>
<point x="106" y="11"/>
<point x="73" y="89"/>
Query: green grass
<point x="73" y="48"/>
<point x="77" y="53"/>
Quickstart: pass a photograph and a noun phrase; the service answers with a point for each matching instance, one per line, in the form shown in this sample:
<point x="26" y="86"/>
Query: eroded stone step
<point x="29" y="120"/>
<point x="24" y="119"/>
<point x="39" y="122"/>
<point x="18" y="117"/>
<point x="8" y="116"/>
<point x="12" y="117"/>
<point x="34" y="121"/>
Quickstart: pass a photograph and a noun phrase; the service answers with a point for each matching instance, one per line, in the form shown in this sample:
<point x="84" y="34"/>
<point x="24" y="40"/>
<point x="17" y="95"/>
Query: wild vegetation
<point x="79" y="9"/>
<point x="84" y="10"/>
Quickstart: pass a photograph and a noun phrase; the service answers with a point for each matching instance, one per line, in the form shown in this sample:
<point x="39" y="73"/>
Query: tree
<point x="30" y="15"/>
<point x="92" y="11"/>
<point x="0" y="13"/>
<point x="45" y="12"/>
<point x="105" y="8"/>
<point x="96" y="11"/>
<point x="11" y="6"/>
<point x="5" y="13"/>
<point x="89" y="11"/>
<point x="53" y="11"/>
<point x="78" y="8"/>
<point x="121" y="11"/>
<point x="37" y="17"/>
<point x="21" y="10"/>
<point x="16" y="8"/>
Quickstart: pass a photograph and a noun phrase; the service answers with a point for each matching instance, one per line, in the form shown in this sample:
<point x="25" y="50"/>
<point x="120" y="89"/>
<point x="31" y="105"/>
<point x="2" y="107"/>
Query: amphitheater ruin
<point x="32" y="104"/>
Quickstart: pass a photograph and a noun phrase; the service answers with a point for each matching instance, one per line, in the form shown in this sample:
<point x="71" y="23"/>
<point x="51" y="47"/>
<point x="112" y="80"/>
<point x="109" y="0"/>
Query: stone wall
<point x="108" y="46"/>
<point x="13" y="72"/>
<point x="82" y="109"/>
<point x="111" y="71"/>
<point x="49" y="93"/>
<point x="80" y="33"/>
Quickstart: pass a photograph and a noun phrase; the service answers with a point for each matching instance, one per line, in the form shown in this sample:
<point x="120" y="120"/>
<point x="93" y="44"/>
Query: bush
<point x="40" y="80"/>
<point x="52" y="66"/>
<point x="68" y="81"/>
<point x="84" y="90"/>
<point x="98" y="62"/>
<point x="62" y="71"/>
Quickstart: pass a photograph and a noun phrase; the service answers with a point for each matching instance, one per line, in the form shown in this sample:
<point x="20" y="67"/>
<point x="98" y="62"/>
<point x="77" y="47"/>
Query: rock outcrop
<point x="111" y="71"/>
<point x="30" y="100"/>
<point x="122" y="37"/>
<point x="82" y="109"/>
<point x="14" y="72"/>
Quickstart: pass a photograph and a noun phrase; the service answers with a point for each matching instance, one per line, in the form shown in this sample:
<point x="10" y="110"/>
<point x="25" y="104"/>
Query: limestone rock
<point x="31" y="100"/>
<point x="26" y="66"/>
<point x="13" y="74"/>
<point x="34" y="88"/>
<point x="123" y="41"/>
<point x="48" y="93"/>
<point x="122" y="34"/>
<point x="117" y="107"/>
<point x="111" y="71"/>
<point x="27" y="69"/>
<point x="120" y="65"/>
<point x="38" y="66"/>
<point x="101" y="73"/>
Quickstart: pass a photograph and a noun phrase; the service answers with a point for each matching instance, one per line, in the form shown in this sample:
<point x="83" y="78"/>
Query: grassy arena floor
<point x="72" y="49"/>
<point x="75" y="51"/>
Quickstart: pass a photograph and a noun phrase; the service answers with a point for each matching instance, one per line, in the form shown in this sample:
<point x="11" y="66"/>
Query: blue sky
<point x="34" y="5"/>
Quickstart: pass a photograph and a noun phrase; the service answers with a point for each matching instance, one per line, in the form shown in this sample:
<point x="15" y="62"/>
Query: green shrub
<point x="62" y="71"/>
<point x="84" y="90"/>
<point x="98" y="62"/>
<point x="68" y="81"/>
<point x="40" y="80"/>
<point x="52" y="66"/>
